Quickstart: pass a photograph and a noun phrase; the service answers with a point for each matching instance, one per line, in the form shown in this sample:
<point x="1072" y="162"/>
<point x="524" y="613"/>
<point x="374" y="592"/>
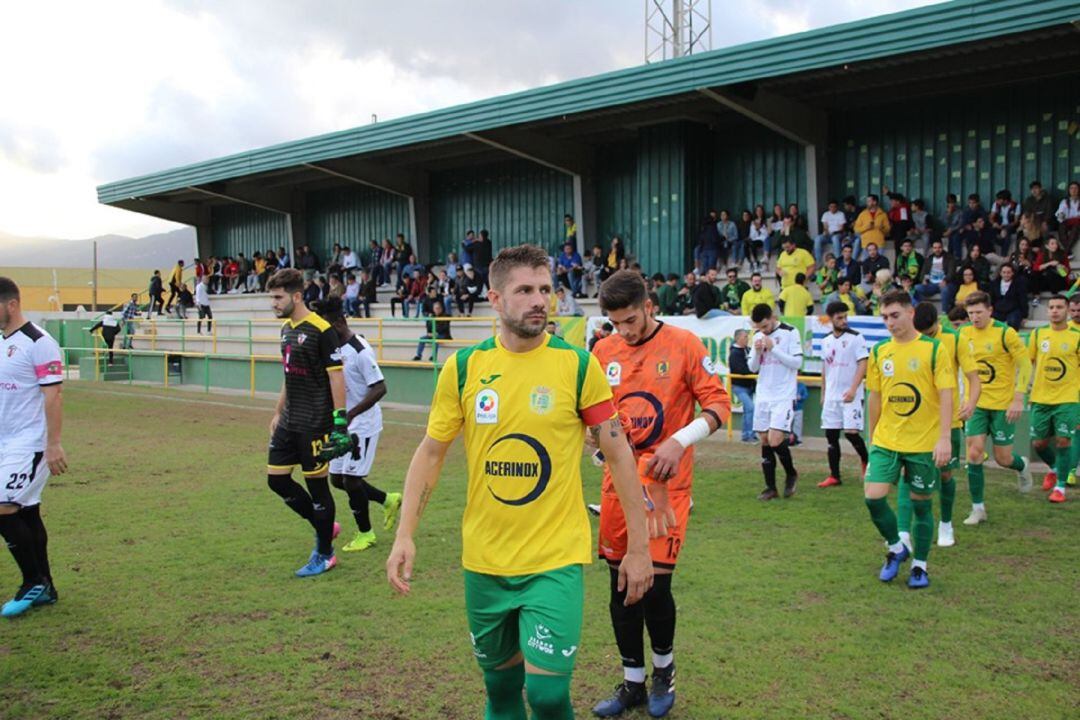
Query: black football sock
<point x="783" y="453"/>
<point x="358" y="502"/>
<point x="629" y="626"/>
<point x="833" y="438"/>
<point x="859" y="444"/>
<point x="660" y="617"/>
<point x="20" y="541"/>
<point x="768" y="466"/>
<point x="322" y="512"/>
<point x="374" y="494"/>
<point x="32" y="517"/>
<point x="294" y="496"/>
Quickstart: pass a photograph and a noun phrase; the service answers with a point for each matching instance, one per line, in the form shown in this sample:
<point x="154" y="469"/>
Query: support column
<point x="204" y="241"/>
<point x="817" y="184"/>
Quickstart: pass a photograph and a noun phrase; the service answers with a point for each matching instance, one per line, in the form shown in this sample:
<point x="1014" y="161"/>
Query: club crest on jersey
<point x="614" y="373"/>
<point x="662" y="369"/>
<point x="301" y="338"/>
<point x="913" y="364"/>
<point x="11" y="350"/>
<point x="487" y="407"/>
<point x="541" y="400"/>
<point x="888" y="368"/>
<point x="1045" y="346"/>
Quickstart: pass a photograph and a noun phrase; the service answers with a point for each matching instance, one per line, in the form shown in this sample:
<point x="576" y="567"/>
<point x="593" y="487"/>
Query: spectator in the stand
<point x="792" y="261"/>
<point x="980" y="264"/>
<point x="707" y="298"/>
<point x="312" y="292"/>
<point x="729" y="236"/>
<point x="743" y="388"/>
<point x="232" y="275"/>
<point x="795" y="300"/>
<point x="284" y="260"/>
<point x="743" y="250"/>
<point x="336" y="289"/>
<point x="243" y="269"/>
<point x="438" y="329"/>
<point x="202" y="306"/>
<point x="845" y="294"/>
<point x="110" y="328"/>
<point x="668" y="295"/>
<point x="707" y="251"/>
<point x="872" y="225"/>
<point x="833" y="224"/>
<point x="733" y="292"/>
<point x="756" y="295"/>
<point x="417" y="292"/>
<point x="258" y="272"/>
<point x="883" y="283"/>
<point x="847" y="266"/>
<point x="217" y="277"/>
<point x="952" y="220"/>
<point x="131" y="311"/>
<point x="874" y="261"/>
<point x="200" y="269"/>
<point x="983" y="236"/>
<point x="351" y="298"/>
<point x="271" y="265"/>
<point x="600" y="333"/>
<point x="446" y="289"/>
<point x="466" y="247"/>
<point x="333" y="263"/>
<point x="185" y="300"/>
<point x="309" y="262"/>
<point x="1051" y="270"/>
<point x="776" y="225"/>
<point x="482" y="255"/>
<point x="797" y="220"/>
<point x="907" y="284"/>
<point x="1005" y="221"/>
<point x="1009" y="296"/>
<point x="827" y="276"/>
<point x="899" y="216"/>
<point x="909" y="263"/>
<point x="1023" y="260"/>
<point x="569" y="230"/>
<point x="921" y="231"/>
<point x="593" y="268"/>
<point x="370" y="258"/>
<point x="968" y="285"/>
<point x="175" y="278"/>
<point x="401" y="291"/>
<point x="1039" y="204"/>
<point x="387" y="256"/>
<point x="851" y="214"/>
<point x="685" y="296"/>
<point x="411" y="266"/>
<point x="402" y="251"/>
<point x="1032" y="231"/>
<point x="615" y="257"/>
<point x="972" y="214"/>
<point x="156" y="292"/>
<point x="798" y="235"/>
<point x="470" y="287"/>
<point x="760" y="243"/>
<point x="1068" y="217"/>
<point x="936" y="271"/>
<point x="553" y="328"/>
<point x="566" y="305"/>
<point x="569" y="269"/>
<point x="368" y="291"/>
<point x="349" y="260"/>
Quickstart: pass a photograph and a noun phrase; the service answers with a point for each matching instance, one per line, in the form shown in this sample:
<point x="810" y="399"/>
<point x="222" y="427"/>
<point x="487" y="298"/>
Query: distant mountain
<point x="160" y="250"/>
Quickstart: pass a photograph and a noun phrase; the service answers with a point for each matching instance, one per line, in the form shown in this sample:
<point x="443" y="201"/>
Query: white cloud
<point x="94" y="92"/>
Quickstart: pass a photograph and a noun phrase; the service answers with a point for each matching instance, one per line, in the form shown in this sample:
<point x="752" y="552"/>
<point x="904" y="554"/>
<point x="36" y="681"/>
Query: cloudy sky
<point x="95" y="92"/>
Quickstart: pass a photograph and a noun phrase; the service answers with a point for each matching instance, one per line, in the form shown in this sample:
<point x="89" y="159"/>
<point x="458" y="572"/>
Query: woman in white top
<point x="1068" y="217"/>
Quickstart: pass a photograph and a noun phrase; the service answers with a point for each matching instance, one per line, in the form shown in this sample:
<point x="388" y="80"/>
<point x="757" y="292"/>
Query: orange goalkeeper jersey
<point x="657" y="385"/>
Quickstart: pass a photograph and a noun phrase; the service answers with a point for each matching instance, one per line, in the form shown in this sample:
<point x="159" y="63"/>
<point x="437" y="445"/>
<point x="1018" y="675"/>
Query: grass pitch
<point x="174" y="564"/>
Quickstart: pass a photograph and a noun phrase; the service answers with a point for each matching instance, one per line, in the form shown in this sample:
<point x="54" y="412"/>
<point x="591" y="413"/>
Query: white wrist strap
<point x="695" y="431"/>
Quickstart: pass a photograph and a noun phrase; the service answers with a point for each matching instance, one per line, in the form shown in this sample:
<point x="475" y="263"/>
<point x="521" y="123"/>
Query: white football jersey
<point x="840" y="357"/>
<point x="361" y="372"/>
<point x="29" y="360"/>
<point x="777" y="382"/>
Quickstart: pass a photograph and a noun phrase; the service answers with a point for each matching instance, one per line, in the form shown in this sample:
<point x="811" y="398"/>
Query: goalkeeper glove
<point x="338" y="442"/>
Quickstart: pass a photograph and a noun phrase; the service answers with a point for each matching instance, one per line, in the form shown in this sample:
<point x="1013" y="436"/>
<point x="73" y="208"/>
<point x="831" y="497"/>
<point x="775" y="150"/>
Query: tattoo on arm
<point x="614" y="428"/>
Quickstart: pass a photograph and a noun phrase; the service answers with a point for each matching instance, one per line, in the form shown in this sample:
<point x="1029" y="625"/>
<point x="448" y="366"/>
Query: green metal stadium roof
<point x="923" y="29"/>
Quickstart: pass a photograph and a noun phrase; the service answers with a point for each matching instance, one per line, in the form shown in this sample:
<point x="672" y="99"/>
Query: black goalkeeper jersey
<point x="309" y="350"/>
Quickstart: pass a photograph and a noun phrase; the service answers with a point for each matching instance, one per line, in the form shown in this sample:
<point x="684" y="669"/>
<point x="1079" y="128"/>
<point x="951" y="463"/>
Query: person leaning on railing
<point x="438" y="328"/>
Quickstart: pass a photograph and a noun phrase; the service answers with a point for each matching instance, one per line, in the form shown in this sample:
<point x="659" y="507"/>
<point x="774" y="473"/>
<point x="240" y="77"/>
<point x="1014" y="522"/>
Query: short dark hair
<point x="951" y="197"/>
<point x="290" y="280"/>
<point x="800" y="278"/>
<point x="530" y="256"/>
<point x="973" y="196"/>
<point x="1059" y="296"/>
<point x="329" y="309"/>
<point x="850" y="200"/>
<point x="843" y="280"/>
<point x="8" y="290"/>
<point x="754" y="275"/>
<point x="977" y="298"/>
<point x="1074" y="299"/>
<point x="761" y="312"/>
<point x="672" y="277"/>
<point x="896" y="297"/>
<point x="925" y="316"/>
<point x="875" y="197"/>
<point x="623" y="289"/>
<point x="957" y="314"/>
<point x="1034" y="184"/>
<point x="836" y="307"/>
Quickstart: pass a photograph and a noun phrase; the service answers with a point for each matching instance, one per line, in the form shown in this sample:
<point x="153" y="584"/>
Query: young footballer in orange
<point x="657" y="374"/>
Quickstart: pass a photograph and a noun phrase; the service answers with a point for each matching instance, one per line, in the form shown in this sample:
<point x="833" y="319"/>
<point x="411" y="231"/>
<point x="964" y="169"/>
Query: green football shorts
<point x="538" y="614"/>
<point x="1053" y="420"/>
<point x="992" y="423"/>
<point x="956" y="439"/>
<point x="916" y="469"/>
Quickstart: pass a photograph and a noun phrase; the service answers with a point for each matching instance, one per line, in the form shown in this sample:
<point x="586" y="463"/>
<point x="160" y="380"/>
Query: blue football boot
<point x="627" y="695"/>
<point x="919" y="579"/>
<point x="662" y="692"/>
<point x="891" y="568"/>
<point x="24" y="599"/>
<point x="317" y="565"/>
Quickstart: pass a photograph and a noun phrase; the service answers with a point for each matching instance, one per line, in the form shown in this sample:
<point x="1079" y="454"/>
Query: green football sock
<point x="923" y="532"/>
<point x="976" y="482"/>
<point x="1047" y="454"/>
<point x="884" y="519"/>
<point x="948" y="497"/>
<point x="504" y="698"/>
<point x="903" y="508"/>
<point x="1064" y="465"/>
<point x="1017" y="462"/>
<point x="549" y="696"/>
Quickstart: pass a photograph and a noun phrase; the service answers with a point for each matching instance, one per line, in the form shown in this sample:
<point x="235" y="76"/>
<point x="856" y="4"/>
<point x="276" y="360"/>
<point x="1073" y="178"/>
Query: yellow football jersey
<point x="523" y="417"/>
<point x="1002" y="359"/>
<point x="909" y="377"/>
<point x="950" y="339"/>
<point x="1055" y="355"/>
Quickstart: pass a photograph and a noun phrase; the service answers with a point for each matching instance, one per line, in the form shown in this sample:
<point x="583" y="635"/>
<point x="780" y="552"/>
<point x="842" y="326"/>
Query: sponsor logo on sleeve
<point x="614" y="373"/>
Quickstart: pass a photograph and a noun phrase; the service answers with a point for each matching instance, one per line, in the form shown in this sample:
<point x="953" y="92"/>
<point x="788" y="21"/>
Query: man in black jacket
<point x="156" y="292"/>
<point x="707" y="296"/>
<point x="1009" y="296"/>
<point x="743" y="388"/>
<point x="937" y="269"/>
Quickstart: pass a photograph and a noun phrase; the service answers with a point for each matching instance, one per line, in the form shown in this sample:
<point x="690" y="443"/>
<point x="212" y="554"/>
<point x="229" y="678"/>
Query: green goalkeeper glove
<point x="338" y="442"/>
